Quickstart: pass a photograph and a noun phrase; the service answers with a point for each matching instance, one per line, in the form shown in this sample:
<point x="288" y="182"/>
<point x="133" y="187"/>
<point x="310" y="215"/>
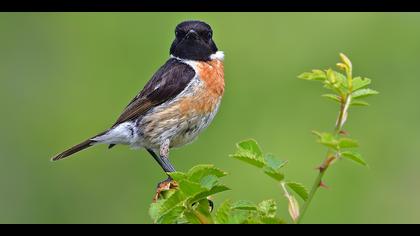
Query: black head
<point x="193" y="41"/>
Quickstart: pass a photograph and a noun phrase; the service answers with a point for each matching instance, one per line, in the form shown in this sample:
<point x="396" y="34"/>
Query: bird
<point x="177" y="104"/>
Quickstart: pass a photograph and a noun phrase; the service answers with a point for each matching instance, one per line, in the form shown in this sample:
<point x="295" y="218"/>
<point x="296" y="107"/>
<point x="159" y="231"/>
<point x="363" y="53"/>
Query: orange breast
<point x="207" y="99"/>
<point x="212" y="74"/>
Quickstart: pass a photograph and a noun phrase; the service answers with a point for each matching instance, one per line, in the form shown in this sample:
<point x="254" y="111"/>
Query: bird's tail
<point x="77" y="148"/>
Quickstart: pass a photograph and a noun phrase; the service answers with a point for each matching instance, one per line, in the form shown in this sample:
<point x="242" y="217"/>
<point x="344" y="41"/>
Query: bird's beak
<point x="192" y="34"/>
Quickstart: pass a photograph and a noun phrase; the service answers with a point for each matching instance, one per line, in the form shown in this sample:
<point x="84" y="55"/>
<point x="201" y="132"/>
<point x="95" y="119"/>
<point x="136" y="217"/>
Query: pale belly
<point x="178" y="129"/>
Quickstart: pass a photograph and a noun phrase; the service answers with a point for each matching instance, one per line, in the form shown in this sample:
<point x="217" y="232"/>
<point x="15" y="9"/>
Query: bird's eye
<point x="179" y="34"/>
<point x="209" y="34"/>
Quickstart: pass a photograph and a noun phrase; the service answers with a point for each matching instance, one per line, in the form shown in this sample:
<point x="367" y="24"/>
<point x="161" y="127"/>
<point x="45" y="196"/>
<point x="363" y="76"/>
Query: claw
<point x="164" y="186"/>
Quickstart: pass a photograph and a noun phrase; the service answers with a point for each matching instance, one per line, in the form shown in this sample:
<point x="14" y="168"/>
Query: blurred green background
<point x="67" y="76"/>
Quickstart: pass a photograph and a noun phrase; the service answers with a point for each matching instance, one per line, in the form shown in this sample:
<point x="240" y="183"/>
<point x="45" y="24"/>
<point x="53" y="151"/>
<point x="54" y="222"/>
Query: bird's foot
<point x="163" y="186"/>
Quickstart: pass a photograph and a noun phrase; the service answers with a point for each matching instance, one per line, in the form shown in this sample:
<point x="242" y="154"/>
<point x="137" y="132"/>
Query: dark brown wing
<point x="169" y="81"/>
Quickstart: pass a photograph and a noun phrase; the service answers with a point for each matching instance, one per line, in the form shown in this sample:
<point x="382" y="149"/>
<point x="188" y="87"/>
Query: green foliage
<point x="188" y="203"/>
<point x="250" y="152"/>
<point x="299" y="189"/>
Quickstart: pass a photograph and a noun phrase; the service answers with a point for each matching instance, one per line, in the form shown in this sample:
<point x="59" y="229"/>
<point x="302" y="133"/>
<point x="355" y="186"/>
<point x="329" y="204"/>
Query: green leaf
<point x="190" y="188"/>
<point x="177" y="176"/>
<point x="327" y="139"/>
<point x="191" y="217"/>
<point x="171" y="202"/>
<point x="202" y="211"/>
<point x="273" y="173"/>
<point x="239" y="216"/>
<point x="171" y="216"/>
<point x="273" y="162"/>
<point x="209" y="181"/>
<point x="244" y="205"/>
<point x="364" y="93"/>
<point x="347" y="143"/>
<point x="341" y="78"/>
<point x="250" y="146"/>
<point x="299" y="189"/>
<point x="197" y="173"/>
<point x="359" y="83"/>
<point x="356" y="157"/>
<point x="359" y="103"/>
<point x="314" y="75"/>
<point x="248" y="151"/>
<point x="267" y="208"/>
<point x="223" y="213"/>
<point x="155" y="209"/>
<point x="273" y="166"/>
<point x="216" y="189"/>
<point x="272" y="220"/>
<point x="332" y="97"/>
<point x="249" y="160"/>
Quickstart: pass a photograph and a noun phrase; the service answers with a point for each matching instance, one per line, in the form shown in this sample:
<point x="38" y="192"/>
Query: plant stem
<point x="318" y="183"/>
<point x="331" y="155"/>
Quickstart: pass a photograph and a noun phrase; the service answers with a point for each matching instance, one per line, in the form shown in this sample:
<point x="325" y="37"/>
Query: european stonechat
<point x="176" y="105"/>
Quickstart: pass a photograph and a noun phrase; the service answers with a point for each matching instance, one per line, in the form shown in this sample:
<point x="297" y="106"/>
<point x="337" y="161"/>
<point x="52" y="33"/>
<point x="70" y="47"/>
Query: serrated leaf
<point x="250" y="146"/>
<point x="171" y="216"/>
<point x="239" y="216"/>
<point x="359" y="83"/>
<point x="250" y="160"/>
<point x="209" y="181"/>
<point x="332" y="97"/>
<point x="273" y="162"/>
<point x="190" y="188"/>
<point x="275" y="174"/>
<point x="176" y="198"/>
<point x="249" y="151"/>
<point x="299" y="189"/>
<point x="341" y="78"/>
<point x="244" y="205"/>
<point x="155" y="209"/>
<point x="314" y="75"/>
<point x="223" y="213"/>
<point x="353" y="156"/>
<point x="272" y="220"/>
<point x="197" y="173"/>
<point x="267" y="208"/>
<point x="327" y="139"/>
<point x="177" y="176"/>
<point x="359" y="103"/>
<point x="347" y="143"/>
<point x="331" y="76"/>
<point x="364" y="93"/>
<point x="191" y="217"/>
<point x="273" y="166"/>
<point x="216" y="189"/>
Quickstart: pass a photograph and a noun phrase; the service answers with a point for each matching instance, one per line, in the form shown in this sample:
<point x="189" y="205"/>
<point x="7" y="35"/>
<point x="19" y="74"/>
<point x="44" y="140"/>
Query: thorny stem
<point x="331" y="154"/>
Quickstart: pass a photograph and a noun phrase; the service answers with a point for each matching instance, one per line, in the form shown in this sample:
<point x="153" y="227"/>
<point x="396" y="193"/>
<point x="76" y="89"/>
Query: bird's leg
<point x="163" y="160"/>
